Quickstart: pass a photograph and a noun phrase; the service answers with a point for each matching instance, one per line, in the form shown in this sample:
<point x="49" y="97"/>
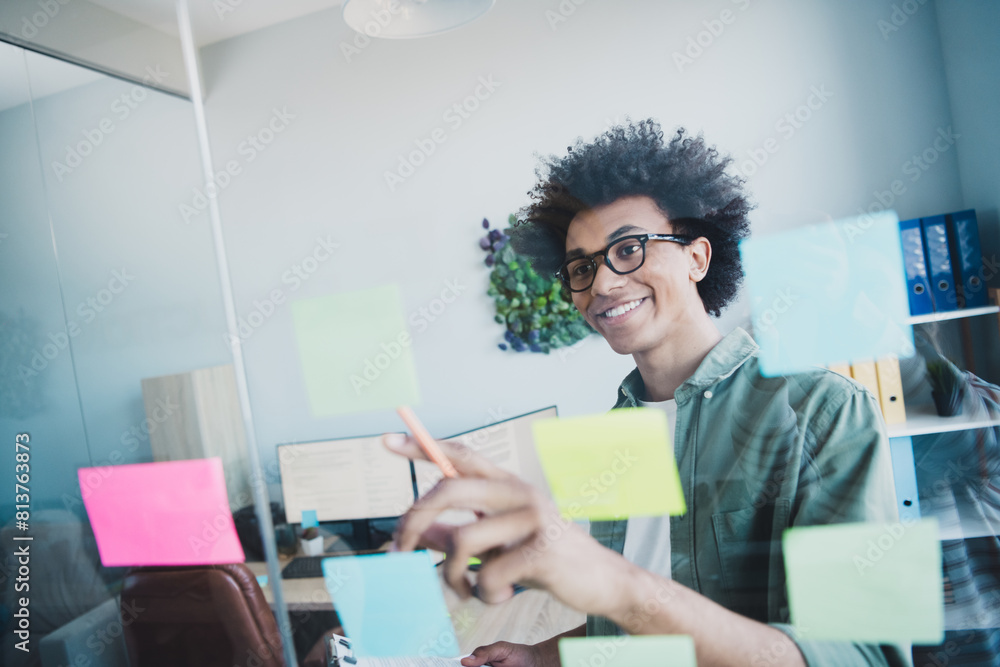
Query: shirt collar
<point x="723" y="360"/>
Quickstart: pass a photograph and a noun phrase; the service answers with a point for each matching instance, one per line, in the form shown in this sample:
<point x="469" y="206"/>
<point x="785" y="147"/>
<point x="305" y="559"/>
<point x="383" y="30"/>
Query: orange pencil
<point x="426" y="442"/>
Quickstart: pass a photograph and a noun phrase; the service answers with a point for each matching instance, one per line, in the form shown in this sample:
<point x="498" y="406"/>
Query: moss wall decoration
<point x="538" y="314"/>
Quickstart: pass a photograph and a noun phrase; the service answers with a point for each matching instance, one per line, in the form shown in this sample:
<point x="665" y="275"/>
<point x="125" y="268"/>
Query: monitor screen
<point x="345" y="479"/>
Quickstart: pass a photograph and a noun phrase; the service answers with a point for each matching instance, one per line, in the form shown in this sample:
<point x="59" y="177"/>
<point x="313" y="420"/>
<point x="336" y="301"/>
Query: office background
<point x="107" y="257"/>
<point x="868" y="99"/>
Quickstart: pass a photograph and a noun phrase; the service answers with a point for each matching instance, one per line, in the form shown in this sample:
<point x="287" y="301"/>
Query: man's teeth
<point x="622" y="309"/>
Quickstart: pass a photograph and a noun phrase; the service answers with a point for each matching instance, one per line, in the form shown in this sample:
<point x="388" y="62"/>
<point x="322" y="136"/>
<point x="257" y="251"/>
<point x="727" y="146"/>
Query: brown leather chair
<point x="202" y="616"/>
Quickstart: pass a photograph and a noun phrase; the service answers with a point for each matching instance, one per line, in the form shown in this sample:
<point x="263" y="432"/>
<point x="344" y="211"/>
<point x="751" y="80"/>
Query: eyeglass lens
<point x="625" y="256"/>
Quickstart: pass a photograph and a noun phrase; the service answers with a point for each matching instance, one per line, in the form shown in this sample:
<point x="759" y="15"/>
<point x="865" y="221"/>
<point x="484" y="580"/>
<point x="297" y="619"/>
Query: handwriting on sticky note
<point x="165" y="513"/>
<point x="391" y="605"/>
<point x="628" y="651"/>
<point x="355" y="351"/>
<point x="612" y="465"/>
<point x="866" y="582"/>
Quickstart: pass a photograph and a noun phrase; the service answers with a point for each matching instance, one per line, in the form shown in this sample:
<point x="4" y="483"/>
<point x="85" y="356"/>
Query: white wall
<point x="886" y="101"/>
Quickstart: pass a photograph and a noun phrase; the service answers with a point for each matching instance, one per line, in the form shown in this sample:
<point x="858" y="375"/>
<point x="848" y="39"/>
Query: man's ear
<point x="700" y="254"/>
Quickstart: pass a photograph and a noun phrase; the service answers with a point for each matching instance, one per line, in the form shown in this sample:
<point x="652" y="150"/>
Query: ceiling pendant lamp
<point x="407" y="19"/>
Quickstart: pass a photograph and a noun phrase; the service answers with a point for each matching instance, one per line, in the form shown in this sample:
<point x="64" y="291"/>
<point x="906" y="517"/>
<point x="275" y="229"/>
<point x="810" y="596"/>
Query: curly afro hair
<point x="685" y="177"/>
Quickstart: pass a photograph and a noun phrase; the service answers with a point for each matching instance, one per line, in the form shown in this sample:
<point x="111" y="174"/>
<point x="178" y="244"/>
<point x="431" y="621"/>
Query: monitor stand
<point x="358" y="535"/>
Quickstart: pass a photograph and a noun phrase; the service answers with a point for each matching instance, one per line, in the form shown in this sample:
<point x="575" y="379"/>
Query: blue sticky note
<point x="391" y="605"/>
<point x="828" y="293"/>
<point x="262" y="580"/>
<point x="309" y="519"/>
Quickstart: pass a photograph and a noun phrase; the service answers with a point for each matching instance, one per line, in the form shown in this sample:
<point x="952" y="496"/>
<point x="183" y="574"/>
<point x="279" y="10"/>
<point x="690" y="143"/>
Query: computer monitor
<point x="348" y="479"/>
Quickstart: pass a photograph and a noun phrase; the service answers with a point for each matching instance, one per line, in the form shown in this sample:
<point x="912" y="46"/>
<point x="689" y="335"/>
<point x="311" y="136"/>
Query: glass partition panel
<point x="115" y="352"/>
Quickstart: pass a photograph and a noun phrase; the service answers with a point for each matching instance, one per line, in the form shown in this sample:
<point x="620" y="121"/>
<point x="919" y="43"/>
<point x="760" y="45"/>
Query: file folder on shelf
<point x="918" y="286"/>
<point x="864" y="372"/>
<point x="890" y="390"/>
<point x="842" y="369"/>
<point x="938" y="255"/>
<point x="966" y="259"/>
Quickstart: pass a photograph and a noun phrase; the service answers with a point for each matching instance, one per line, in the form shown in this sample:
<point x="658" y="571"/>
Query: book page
<point x="409" y="662"/>
<point x="508" y="444"/>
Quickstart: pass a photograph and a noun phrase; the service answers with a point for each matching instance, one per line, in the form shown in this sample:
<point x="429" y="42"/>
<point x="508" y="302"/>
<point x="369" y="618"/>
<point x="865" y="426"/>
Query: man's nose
<point x="605" y="279"/>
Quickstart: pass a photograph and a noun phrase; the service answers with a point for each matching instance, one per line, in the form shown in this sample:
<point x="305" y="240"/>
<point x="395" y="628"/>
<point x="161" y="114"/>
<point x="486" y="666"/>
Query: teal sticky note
<point x="356" y="352"/>
<point x="309" y="519"/>
<point x="866" y="582"/>
<point x="391" y="605"/>
<point x="828" y="293"/>
<point x="628" y="651"/>
<point x="262" y="579"/>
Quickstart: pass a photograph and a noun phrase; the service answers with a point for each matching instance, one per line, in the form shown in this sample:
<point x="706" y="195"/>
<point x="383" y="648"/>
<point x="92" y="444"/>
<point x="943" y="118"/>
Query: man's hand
<point x="520" y="537"/>
<point x="505" y="654"/>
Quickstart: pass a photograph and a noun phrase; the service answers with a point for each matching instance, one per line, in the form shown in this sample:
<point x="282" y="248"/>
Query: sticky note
<point x="356" y="352"/>
<point x="610" y="466"/>
<point x="391" y="605"/>
<point x="309" y="519"/>
<point x="262" y="579"/>
<point x="866" y="582"/>
<point x="166" y="513"/>
<point x="628" y="651"/>
<point x="828" y="293"/>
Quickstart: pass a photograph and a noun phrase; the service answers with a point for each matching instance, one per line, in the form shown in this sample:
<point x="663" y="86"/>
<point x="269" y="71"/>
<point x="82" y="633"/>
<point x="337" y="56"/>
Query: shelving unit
<point x="952" y="315"/>
<point x="922" y="417"/>
<point x="922" y="420"/>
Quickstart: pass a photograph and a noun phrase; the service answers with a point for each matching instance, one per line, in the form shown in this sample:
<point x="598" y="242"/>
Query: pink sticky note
<point x="168" y="513"/>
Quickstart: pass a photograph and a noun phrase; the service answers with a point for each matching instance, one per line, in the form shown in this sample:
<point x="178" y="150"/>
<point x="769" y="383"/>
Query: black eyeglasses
<point x="623" y="256"/>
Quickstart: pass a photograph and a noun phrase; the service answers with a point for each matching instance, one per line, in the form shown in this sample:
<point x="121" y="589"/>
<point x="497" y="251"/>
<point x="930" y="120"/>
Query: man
<point x="645" y="234"/>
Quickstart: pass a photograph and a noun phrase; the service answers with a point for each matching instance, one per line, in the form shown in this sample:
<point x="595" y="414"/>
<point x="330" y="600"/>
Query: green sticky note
<point x="355" y="351"/>
<point x="628" y="651"/>
<point x="866" y="582"/>
<point x="610" y="466"/>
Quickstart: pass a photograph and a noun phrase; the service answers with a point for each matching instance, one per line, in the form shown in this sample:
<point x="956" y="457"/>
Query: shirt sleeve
<point x="846" y="476"/>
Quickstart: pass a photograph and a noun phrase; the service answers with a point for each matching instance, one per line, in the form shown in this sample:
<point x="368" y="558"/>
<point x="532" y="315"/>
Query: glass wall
<point x="110" y="312"/>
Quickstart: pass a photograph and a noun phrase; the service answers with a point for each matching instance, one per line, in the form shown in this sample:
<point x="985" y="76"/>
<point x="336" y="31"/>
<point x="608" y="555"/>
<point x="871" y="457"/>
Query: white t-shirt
<point x="647" y="538"/>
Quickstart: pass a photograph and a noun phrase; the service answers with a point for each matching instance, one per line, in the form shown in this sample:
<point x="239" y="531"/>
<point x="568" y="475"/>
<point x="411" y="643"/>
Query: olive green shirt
<point x="758" y="455"/>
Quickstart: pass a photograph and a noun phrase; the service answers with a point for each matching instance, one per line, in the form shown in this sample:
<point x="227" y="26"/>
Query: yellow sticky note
<point x="866" y="582"/>
<point x="610" y="466"/>
<point x="356" y="351"/>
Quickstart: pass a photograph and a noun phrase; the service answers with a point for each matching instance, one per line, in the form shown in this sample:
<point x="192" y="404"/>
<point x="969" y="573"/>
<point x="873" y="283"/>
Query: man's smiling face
<point x="638" y="311"/>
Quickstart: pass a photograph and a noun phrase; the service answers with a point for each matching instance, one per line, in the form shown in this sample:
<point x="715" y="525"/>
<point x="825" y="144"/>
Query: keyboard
<point x="307" y="567"/>
<point x="304" y="567"/>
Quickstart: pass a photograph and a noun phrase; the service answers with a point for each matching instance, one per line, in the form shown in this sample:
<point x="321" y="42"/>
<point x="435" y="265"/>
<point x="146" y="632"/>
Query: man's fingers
<point x="477" y="538"/>
<point x="438" y="537"/>
<point x="490" y="653"/>
<point x="497" y="576"/>
<point x="492" y="496"/>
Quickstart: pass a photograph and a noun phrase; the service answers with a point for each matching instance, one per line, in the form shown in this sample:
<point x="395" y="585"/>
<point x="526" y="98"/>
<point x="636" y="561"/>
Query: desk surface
<point x="528" y="618"/>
